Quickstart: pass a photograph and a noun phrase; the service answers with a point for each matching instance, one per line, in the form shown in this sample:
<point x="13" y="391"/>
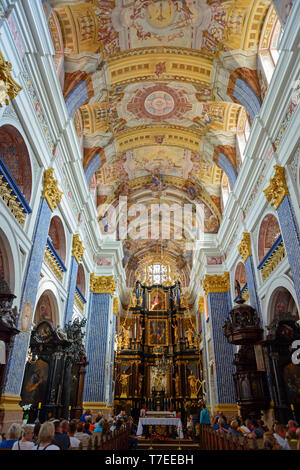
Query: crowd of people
<point x="58" y="434"/>
<point x="275" y="437"/>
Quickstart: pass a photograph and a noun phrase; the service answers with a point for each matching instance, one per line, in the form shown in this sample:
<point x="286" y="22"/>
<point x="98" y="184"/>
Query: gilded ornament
<point x="277" y="189"/>
<point x="201" y="304"/>
<point x="9" y="88"/>
<point x="116" y="306"/>
<point x="51" y="192"/>
<point x="245" y="246"/>
<point x="216" y="283"/>
<point x="78" y="248"/>
<point x="102" y="284"/>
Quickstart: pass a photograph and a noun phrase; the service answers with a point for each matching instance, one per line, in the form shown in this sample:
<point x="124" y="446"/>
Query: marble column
<point x="277" y="194"/>
<point x="51" y="196"/>
<point x="77" y="253"/>
<point x="217" y="290"/>
<point x="100" y="318"/>
<point x="246" y="253"/>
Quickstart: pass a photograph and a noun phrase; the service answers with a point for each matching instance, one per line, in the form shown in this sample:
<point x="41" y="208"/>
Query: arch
<point x="268" y="233"/>
<point x="47" y="308"/>
<point x="14" y="154"/>
<point x="228" y="168"/>
<point x="225" y="191"/>
<point x="78" y="90"/>
<point x="244" y="88"/>
<point x="7" y="268"/>
<point x="283" y="284"/>
<point x="80" y="282"/>
<point x="57" y="236"/>
<point x="240" y="274"/>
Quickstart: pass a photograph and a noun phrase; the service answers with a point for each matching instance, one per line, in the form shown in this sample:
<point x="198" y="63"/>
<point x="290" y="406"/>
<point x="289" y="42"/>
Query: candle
<point x="70" y="408"/>
<point x="292" y="407"/>
<point x="40" y="405"/>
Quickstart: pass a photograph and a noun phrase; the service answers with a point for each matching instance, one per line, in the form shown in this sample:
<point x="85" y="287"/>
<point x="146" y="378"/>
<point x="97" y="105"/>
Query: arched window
<point x="14" y="154"/>
<point x="157" y="273"/>
<point x="268" y="53"/>
<point x="46" y="309"/>
<point x="225" y="190"/>
<point x="242" y="135"/>
<point x="268" y="234"/>
<point x="240" y="274"/>
<point x="80" y="283"/>
<point x="57" y="237"/>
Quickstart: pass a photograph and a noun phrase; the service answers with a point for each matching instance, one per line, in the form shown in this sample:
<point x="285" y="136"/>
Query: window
<point x="157" y="273"/>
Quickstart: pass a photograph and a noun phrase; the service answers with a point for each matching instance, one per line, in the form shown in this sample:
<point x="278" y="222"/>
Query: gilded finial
<point x="245" y="246"/>
<point x="9" y="88"/>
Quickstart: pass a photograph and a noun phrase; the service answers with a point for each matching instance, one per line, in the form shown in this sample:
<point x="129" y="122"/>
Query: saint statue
<point x="177" y="383"/>
<point x="190" y="336"/>
<point x="141" y="378"/>
<point x="124" y="382"/>
<point x="193" y="385"/>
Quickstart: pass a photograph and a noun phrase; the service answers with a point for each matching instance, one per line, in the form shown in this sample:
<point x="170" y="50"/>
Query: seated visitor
<point x="82" y="417"/>
<point x="233" y="429"/>
<point x="74" y="442"/>
<point x="270" y="442"/>
<point x="280" y="436"/>
<point x="106" y="428"/>
<point x="13" y="435"/>
<point x="98" y="427"/>
<point x="46" y="437"/>
<point x="292" y="425"/>
<point x="61" y="438"/>
<point x="223" y="427"/>
<point x="204" y="415"/>
<point x="83" y="437"/>
<point x="25" y="443"/>
<point x="112" y="423"/>
<point x="121" y="415"/>
<point x="86" y="429"/>
<point x="257" y="430"/>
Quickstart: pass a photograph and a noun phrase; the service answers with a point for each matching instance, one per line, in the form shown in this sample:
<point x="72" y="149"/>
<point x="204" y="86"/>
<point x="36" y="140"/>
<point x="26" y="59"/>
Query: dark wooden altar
<point x="158" y="361"/>
<point x="55" y="357"/>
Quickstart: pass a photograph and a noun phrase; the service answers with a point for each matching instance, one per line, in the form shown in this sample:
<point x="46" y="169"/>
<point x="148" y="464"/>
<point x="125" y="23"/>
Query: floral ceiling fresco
<point x="159" y="90"/>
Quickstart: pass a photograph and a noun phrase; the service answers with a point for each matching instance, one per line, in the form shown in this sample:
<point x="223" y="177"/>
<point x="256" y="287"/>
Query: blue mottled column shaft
<point x="112" y="358"/>
<point x="291" y="238"/>
<point x="252" y="287"/>
<point x="16" y="364"/>
<point x="97" y="347"/>
<point x="205" y="358"/>
<point x="219" y="305"/>
<point x="71" y="290"/>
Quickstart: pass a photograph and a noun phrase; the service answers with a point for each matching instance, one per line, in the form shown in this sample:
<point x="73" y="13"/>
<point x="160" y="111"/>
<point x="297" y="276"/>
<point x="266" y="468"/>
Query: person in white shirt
<point x="75" y="443"/>
<point x="25" y="443"/>
<point x="45" y="437"/>
<point x="280" y="436"/>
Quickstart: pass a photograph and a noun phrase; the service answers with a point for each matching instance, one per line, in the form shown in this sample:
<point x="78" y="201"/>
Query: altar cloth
<point x="160" y="422"/>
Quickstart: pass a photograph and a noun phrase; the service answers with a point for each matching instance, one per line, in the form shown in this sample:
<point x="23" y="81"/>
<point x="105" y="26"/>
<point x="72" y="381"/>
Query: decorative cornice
<point x="102" y="284"/>
<point x="8" y="86"/>
<point x="216" y="283"/>
<point x="51" y="192"/>
<point x="277" y="190"/>
<point x="201" y="304"/>
<point x="78" y="248"/>
<point x="245" y="246"/>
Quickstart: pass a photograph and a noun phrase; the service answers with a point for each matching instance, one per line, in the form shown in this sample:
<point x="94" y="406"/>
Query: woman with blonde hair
<point x="45" y="437"/>
<point x="13" y="435"/>
<point x="26" y="442"/>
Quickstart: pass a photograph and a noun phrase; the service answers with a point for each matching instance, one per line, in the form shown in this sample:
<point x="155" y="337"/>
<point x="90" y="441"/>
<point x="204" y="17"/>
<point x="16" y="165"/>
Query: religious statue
<point x="124" y="382"/>
<point x="191" y="338"/>
<point x="193" y="381"/>
<point x="158" y="381"/>
<point x="133" y="300"/>
<point x="119" y="342"/>
<point x="175" y="329"/>
<point x="126" y="340"/>
<point x="140" y="384"/>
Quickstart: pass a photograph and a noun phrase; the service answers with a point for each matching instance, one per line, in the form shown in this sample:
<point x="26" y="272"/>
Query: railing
<point x="271" y="260"/>
<point x="80" y="301"/>
<point x="245" y="292"/>
<point x="12" y="196"/>
<point x="116" y="440"/>
<point x="54" y="261"/>
<point x="213" y="440"/>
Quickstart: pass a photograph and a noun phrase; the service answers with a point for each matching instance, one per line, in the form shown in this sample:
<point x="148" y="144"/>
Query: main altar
<point x="158" y="365"/>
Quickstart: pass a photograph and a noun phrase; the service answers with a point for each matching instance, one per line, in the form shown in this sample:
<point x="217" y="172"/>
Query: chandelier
<point x="164" y="364"/>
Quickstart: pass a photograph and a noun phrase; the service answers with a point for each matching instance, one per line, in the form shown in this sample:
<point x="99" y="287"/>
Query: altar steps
<point x="169" y="444"/>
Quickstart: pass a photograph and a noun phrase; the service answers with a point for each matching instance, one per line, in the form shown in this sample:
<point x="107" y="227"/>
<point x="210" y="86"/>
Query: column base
<point x="10" y="411"/>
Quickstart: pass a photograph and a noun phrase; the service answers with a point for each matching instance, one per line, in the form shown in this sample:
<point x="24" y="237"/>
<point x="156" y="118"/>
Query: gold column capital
<point x="51" y="192"/>
<point x="245" y="246"/>
<point x="216" y="283"/>
<point x="78" y="248"/>
<point x="277" y="189"/>
<point x="9" y="88"/>
<point x="201" y="304"/>
<point x="102" y="284"/>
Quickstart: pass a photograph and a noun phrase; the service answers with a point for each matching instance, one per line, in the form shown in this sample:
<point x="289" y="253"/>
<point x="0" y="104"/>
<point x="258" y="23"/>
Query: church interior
<point x="149" y="218"/>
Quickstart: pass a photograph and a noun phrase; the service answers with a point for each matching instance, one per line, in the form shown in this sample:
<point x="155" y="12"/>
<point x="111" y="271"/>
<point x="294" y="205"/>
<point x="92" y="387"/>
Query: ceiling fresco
<point x="159" y="90"/>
